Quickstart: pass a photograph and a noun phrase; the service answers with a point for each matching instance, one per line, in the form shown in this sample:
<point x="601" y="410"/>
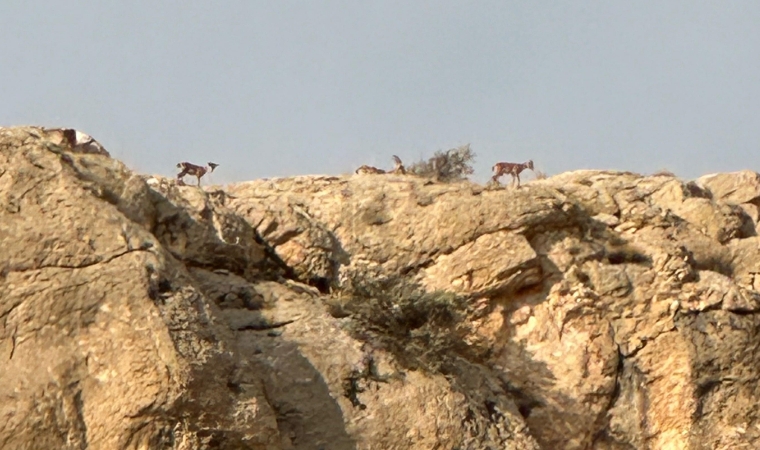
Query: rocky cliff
<point x="591" y="310"/>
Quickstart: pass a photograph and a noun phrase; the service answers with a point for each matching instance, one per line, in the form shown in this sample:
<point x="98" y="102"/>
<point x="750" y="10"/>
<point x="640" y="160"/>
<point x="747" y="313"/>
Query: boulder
<point x="733" y="187"/>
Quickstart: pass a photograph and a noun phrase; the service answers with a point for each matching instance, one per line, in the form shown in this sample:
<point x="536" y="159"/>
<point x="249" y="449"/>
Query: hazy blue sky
<point x="274" y="88"/>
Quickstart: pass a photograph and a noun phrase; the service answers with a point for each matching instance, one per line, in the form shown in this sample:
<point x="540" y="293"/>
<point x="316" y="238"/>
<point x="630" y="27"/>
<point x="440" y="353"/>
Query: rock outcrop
<point x="615" y="306"/>
<point x="591" y="310"/>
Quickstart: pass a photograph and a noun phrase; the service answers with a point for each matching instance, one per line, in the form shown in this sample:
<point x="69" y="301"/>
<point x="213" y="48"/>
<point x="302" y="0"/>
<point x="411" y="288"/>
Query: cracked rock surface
<point x="591" y="310"/>
<point x="620" y="311"/>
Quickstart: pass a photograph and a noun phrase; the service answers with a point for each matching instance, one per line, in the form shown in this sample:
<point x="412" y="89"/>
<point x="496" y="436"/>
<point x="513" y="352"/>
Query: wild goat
<point x="514" y="169"/>
<point x="365" y="169"/>
<point x="399" y="168"/>
<point x="194" y="170"/>
<point x="77" y="141"/>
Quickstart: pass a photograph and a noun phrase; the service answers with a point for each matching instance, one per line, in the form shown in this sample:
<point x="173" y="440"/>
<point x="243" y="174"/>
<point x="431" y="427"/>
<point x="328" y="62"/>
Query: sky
<point x="280" y="88"/>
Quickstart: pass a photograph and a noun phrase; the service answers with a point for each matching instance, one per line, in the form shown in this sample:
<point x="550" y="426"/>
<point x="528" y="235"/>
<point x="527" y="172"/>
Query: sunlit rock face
<point x="589" y="310"/>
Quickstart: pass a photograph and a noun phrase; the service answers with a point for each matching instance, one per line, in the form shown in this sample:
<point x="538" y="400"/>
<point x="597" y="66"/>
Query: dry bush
<point x="447" y="166"/>
<point x="424" y="330"/>
<point x="540" y="175"/>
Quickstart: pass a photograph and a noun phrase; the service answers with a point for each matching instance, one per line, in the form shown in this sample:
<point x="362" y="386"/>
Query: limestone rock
<point x="591" y="310"/>
<point x="735" y="187"/>
<point x="107" y="343"/>
<point x="152" y="316"/>
<point x="592" y="272"/>
<point x="333" y="228"/>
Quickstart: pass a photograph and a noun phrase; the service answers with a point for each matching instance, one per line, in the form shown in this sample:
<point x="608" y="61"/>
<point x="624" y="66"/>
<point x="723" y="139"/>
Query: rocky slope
<point x="591" y="310"/>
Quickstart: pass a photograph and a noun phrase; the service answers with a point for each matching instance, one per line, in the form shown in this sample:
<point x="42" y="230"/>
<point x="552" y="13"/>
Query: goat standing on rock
<point x="195" y="170"/>
<point x="514" y="169"/>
